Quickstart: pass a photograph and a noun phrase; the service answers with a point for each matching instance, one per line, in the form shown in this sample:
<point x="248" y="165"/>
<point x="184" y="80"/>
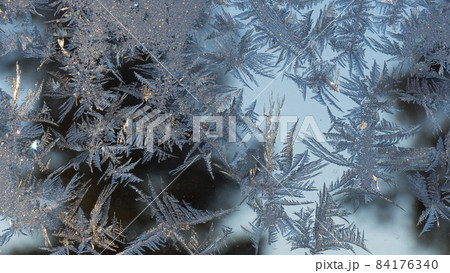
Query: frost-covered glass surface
<point x="214" y="127"/>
